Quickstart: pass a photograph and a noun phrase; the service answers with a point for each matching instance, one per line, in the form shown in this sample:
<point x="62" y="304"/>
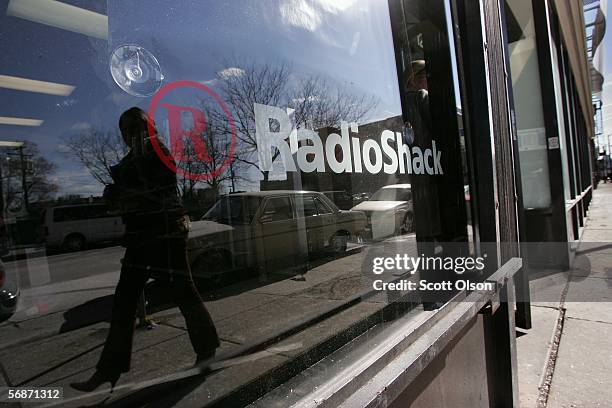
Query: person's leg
<point x="200" y="325"/>
<point x="117" y="352"/>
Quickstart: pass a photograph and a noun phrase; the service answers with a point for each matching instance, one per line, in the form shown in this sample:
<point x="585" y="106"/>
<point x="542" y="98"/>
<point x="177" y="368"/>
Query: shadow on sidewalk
<point x="100" y="309"/>
<point x="88" y="313"/>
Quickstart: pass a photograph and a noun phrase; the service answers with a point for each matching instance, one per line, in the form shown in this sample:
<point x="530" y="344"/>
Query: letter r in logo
<point x="178" y="133"/>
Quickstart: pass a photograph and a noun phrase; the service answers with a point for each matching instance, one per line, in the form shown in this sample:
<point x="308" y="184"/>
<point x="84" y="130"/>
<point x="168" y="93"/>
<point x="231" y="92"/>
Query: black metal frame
<point x="494" y="158"/>
<point x="478" y="138"/>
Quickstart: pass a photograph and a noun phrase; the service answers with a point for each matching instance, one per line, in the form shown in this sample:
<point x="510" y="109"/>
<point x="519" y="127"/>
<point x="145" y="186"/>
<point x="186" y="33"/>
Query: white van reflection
<point x="389" y="211"/>
<point x="74" y="227"/>
<point x="268" y="230"/>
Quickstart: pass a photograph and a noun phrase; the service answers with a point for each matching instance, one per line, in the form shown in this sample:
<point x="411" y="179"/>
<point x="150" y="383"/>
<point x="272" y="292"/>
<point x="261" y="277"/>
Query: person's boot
<point x="203" y="358"/>
<point x="97" y="379"/>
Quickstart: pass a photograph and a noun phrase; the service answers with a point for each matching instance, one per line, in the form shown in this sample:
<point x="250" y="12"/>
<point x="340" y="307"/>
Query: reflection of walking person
<point x="424" y="187"/>
<point x="145" y="192"/>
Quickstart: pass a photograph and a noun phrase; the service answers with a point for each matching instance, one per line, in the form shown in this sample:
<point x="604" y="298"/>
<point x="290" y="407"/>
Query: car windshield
<point x="392" y="194"/>
<point x="233" y="210"/>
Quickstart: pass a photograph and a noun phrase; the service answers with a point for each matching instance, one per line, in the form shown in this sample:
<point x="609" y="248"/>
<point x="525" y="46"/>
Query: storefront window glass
<point x="533" y="154"/>
<point x="560" y="99"/>
<point x="265" y="149"/>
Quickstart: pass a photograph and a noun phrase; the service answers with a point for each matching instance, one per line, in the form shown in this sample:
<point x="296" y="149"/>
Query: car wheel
<point x="74" y="242"/>
<point x="407" y="224"/>
<point x="338" y="243"/>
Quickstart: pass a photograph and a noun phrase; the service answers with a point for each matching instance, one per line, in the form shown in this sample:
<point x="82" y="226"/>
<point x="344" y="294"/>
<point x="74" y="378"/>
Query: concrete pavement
<point x="564" y="360"/>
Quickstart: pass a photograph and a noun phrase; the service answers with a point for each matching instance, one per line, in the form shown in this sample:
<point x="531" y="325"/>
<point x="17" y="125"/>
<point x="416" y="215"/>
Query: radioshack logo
<point x="391" y="155"/>
<point x="190" y="155"/>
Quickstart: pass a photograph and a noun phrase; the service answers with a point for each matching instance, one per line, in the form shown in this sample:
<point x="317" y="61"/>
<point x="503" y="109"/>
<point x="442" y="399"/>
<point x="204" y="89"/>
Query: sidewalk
<point x="565" y="359"/>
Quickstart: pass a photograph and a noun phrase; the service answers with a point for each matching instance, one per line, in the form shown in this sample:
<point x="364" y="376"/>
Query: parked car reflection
<point x="268" y="231"/>
<point x="389" y="211"/>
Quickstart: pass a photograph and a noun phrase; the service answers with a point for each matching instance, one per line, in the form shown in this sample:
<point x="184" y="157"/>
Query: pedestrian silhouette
<point x="144" y="192"/>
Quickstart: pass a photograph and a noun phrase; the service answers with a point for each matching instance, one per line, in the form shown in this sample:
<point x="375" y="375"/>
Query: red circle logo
<point x="175" y="156"/>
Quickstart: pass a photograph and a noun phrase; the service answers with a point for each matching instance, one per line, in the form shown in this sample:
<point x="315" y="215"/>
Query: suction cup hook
<point x="136" y="70"/>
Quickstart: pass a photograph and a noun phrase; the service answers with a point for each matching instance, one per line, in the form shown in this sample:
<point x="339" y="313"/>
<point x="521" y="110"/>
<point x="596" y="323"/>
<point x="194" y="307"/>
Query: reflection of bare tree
<point x="98" y="151"/>
<point x="317" y="102"/>
<point x="244" y="87"/>
<point x="217" y="140"/>
<point x="38" y="173"/>
<point x="38" y="184"/>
